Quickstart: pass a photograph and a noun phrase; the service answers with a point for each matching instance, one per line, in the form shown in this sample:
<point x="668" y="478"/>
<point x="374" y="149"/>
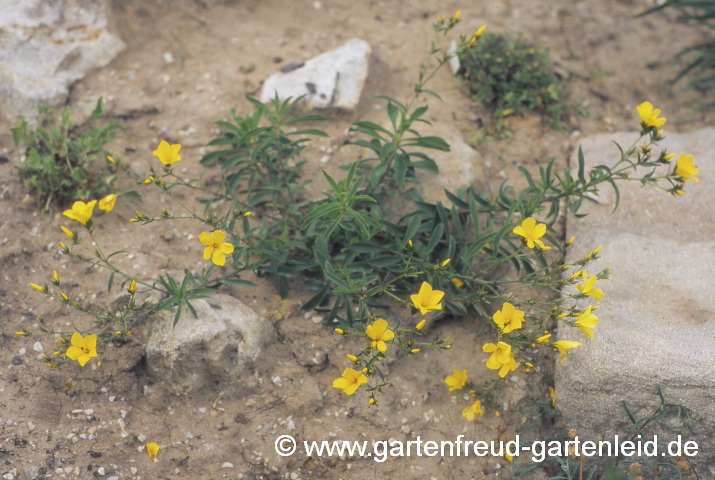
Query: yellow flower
<point x="564" y="345"/>
<point x="427" y="299"/>
<point x="379" y="332"/>
<point x="457" y="380"/>
<point x="149" y="179"/>
<point x="19" y="333"/>
<point x="532" y="232"/>
<point x="153" y="450"/>
<point x="350" y="381"/>
<point x="111" y="159"/>
<point x="649" y="115"/>
<point x="543" y="338"/>
<point x="339" y="331"/>
<point x="456" y="16"/>
<point x="571" y="240"/>
<point x="587" y="321"/>
<point x="594" y="252"/>
<point x="471" y="42"/>
<point x="168" y="154"/>
<point x="371" y="401"/>
<point x="421" y="324"/>
<point x="480" y="31"/>
<point x="409" y="242"/>
<point x="680" y="192"/>
<point x="501" y="358"/>
<point x="216" y="249"/>
<point x="661" y="132"/>
<point x="446" y="262"/>
<point x="132" y="287"/>
<point x="82" y="212"/>
<point x="67" y="232"/>
<point x="108" y="202"/>
<point x="415" y="350"/>
<point x="508" y="457"/>
<point x="552" y="393"/>
<point x="64" y="297"/>
<point x="353" y="358"/>
<point x="589" y="286"/>
<point x="248" y="214"/>
<point x="685" y="167"/>
<point x="83" y="348"/>
<point x="56" y="276"/>
<point x="508" y="318"/>
<point x="37" y="287"/>
<point x="471" y="412"/>
<point x="668" y="156"/>
<point x="457" y="282"/>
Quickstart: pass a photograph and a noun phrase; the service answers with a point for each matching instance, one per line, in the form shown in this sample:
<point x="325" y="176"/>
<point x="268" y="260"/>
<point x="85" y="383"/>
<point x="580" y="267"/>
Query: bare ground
<point x="222" y="51"/>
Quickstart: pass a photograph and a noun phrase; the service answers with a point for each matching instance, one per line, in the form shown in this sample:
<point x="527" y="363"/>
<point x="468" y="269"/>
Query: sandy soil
<point x="222" y="50"/>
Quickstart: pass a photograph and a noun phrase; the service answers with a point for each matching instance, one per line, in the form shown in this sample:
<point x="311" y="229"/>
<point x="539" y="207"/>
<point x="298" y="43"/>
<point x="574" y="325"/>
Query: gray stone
<point x="218" y="347"/>
<point x="658" y="313"/>
<point x="456" y="167"/>
<point x="46" y="46"/>
<point x="333" y="79"/>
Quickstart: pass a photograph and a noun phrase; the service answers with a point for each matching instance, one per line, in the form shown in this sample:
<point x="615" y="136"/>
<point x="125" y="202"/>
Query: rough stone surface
<point x="333" y="79"/>
<point x="218" y="347"/>
<point x="658" y="314"/>
<point x="45" y="46"/>
<point x="456" y="167"/>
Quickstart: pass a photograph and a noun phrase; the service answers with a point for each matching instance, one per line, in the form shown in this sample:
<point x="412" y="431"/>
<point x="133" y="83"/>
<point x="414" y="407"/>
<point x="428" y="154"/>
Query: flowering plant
<point x="473" y="257"/>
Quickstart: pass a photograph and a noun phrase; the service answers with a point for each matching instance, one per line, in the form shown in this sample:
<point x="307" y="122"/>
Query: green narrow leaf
<point x="434" y="239"/>
<point x="581" y="164"/>
<point x="111" y="281"/>
<point x="412" y="227"/>
<point x="178" y="315"/>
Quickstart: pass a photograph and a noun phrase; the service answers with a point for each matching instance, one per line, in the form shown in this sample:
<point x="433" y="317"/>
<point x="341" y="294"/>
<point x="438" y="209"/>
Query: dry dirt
<point x="222" y="50"/>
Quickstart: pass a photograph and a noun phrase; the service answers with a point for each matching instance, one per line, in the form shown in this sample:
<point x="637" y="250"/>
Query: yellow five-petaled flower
<point x="350" y="381"/>
<point x="509" y="318"/>
<point x="83" y="348"/>
<point x="216" y="249"/>
<point x="589" y="286"/>
<point x="685" y="167"/>
<point x="457" y="380"/>
<point x="427" y="299"/>
<point x="563" y="345"/>
<point x="587" y="321"/>
<point x="80" y="211"/>
<point x="649" y="115"/>
<point x="107" y="203"/>
<point x="532" y="232"/>
<point x="153" y="450"/>
<point x="501" y="358"/>
<point x="379" y="332"/>
<point x="471" y="412"/>
<point x="168" y="154"/>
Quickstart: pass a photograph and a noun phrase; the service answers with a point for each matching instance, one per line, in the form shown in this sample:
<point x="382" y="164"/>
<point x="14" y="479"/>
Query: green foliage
<point x="59" y="156"/>
<point x="511" y="76"/>
<point x="260" y="161"/>
<point x="699" y="59"/>
<point x="658" y="467"/>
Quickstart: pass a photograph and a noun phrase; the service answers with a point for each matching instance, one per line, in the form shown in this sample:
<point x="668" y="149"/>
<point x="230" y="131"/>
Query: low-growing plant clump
<point x="368" y="268"/>
<point x="510" y="76"/>
<point x="59" y="156"/>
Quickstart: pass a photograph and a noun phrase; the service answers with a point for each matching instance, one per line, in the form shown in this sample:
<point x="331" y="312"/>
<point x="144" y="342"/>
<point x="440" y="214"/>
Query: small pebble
<point x="141" y="438"/>
<point x="227" y="465"/>
<point x="37" y="347"/>
<point x="168" y="57"/>
<point x="100" y="471"/>
<point x="325" y="159"/>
